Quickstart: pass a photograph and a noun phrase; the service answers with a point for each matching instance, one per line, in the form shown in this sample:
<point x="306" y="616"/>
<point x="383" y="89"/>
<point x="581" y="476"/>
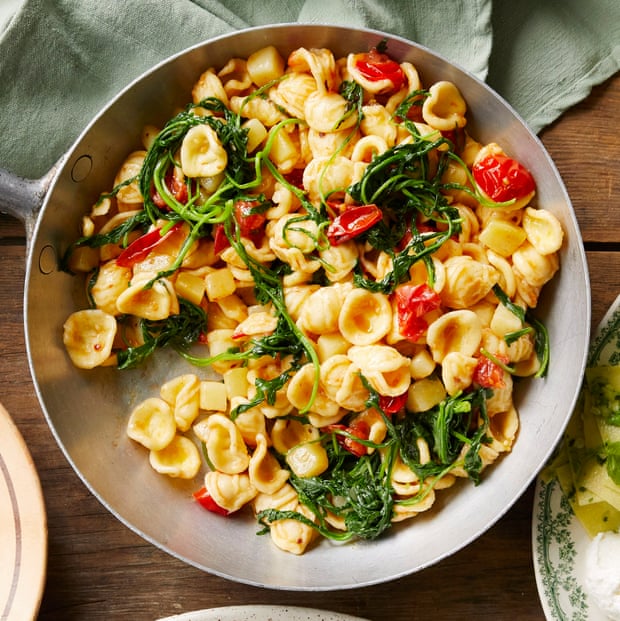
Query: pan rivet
<point x="81" y="168"/>
<point x="47" y="260"/>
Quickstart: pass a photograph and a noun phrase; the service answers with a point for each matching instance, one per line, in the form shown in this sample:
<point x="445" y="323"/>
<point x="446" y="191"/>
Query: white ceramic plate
<point x="262" y="613"/>
<point x="23" y="527"/>
<point x="559" y="541"/>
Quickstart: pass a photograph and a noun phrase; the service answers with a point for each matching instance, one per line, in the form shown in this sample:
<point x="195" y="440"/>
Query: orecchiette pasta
<point x="385" y="369"/>
<point x="224" y="444"/>
<point x="365" y="317"/>
<point x="459" y="331"/>
<point x="266" y="474"/>
<point x="292" y="93"/>
<point x="543" y="230"/>
<point x="202" y="154"/>
<point x="319" y="63"/>
<point x="152" y="424"/>
<point x="230" y="491"/>
<point x="467" y="281"/>
<point x="235" y="75"/>
<point x="325" y="234"/>
<point x="445" y="107"/>
<point x="209" y="85"/>
<point x="129" y="195"/>
<point x="178" y="459"/>
<point x="183" y="394"/>
<point x="292" y="535"/>
<point x="156" y="302"/>
<point x="88" y="336"/>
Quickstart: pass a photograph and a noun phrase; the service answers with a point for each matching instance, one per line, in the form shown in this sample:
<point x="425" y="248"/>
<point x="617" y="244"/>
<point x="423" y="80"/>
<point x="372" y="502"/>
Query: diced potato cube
<point x="213" y="396"/>
<point x="504" y="321"/>
<point x="502" y="236"/>
<point x="217" y="320"/>
<point x="332" y="344"/>
<point x="265" y="65"/>
<point x="256" y="133"/>
<point x="425" y="394"/>
<point x="190" y="287"/>
<point x="236" y="382"/>
<point x="233" y="307"/>
<point x="284" y="152"/>
<point x="219" y="284"/>
<point x="422" y="364"/>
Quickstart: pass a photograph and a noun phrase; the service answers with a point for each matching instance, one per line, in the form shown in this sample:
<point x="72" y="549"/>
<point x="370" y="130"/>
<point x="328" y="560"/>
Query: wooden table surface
<point x="98" y="568"/>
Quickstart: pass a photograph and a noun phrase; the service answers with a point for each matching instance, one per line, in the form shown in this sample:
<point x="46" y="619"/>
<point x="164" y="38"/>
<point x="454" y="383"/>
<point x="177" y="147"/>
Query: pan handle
<point x="23" y="198"/>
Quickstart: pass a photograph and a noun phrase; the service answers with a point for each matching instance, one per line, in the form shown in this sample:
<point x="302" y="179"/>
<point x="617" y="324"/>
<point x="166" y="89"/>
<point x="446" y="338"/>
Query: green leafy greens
<point x="358" y="489"/>
<point x="541" y="335"/>
<point x="179" y="331"/>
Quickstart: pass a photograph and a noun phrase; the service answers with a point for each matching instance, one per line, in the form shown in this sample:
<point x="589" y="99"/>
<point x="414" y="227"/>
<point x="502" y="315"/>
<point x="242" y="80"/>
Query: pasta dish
<point x="324" y="234"/>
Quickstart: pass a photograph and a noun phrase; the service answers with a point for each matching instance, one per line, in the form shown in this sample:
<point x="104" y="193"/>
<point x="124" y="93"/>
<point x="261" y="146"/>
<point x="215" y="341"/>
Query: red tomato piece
<point x="502" y="178"/>
<point x="489" y="374"/>
<point x="220" y="241"/>
<point x="456" y="137"/>
<point x="139" y="249"/>
<point x="176" y="187"/>
<point x="421" y="227"/>
<point x="296" y="177"/>
<point x="251" y="223"/>
<point x="352" y="222"/>
<point x="412" y="303"/>
<point x="359" y="429"/>
<point x="376" y="66"/>
<point x="391" y="405"/>
<point x="206" y="500"/>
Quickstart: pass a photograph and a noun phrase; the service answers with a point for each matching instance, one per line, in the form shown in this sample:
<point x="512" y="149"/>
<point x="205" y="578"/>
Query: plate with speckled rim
<point x="559" y="542"/>
<point x="23" y="527"/>
<point x="262" y="613"/>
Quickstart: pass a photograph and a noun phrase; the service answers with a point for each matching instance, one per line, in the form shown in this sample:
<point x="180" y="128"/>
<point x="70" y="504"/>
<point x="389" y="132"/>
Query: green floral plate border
<point x="559" y="542"/>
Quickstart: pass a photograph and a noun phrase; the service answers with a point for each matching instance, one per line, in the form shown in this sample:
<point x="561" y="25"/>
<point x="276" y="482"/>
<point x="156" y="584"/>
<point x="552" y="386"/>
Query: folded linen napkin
<point x="61" y="60"/>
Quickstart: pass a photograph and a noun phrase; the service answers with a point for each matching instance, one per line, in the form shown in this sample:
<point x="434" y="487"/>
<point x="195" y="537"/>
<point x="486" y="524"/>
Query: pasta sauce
<point x="321" y="239"/>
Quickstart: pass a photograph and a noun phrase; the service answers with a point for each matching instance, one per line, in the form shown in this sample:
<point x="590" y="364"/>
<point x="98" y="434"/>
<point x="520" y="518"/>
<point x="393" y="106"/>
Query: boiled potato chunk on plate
<point x="595" y="517"/>
<point x="582" y="473"/>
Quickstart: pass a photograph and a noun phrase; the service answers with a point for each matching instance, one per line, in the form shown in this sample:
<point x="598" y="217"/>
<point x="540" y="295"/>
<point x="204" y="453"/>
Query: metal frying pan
<point x="87" y="410"/>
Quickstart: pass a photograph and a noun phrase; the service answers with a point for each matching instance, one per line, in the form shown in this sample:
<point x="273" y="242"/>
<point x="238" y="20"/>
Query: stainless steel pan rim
<point x="86" y="410"/>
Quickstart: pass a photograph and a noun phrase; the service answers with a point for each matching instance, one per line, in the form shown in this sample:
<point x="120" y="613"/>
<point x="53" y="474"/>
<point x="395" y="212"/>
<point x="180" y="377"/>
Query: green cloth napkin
<point x="62" y="60"/>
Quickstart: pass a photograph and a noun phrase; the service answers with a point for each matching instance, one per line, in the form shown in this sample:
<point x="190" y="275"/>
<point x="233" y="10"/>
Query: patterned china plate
<point x="559" y="542"/>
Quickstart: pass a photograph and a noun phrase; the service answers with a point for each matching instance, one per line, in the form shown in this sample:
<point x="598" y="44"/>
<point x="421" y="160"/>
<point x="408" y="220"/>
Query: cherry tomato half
<point x="489" y="374"/>
<point x="251" y="225"/>
<point x="206" y="500"/>
<point x="375" y="66"/>
<point x="391" y="405"/>
<point x="503" y="179"/>
<point x="412" y="303"/>
<point x="139" y="249"/>
<point x="251" y="222"/>
<point x="353" y="222"/>
<point x="176" y="186"/>
<point x="220" y="241"/>
<point x="359" y="429"/>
